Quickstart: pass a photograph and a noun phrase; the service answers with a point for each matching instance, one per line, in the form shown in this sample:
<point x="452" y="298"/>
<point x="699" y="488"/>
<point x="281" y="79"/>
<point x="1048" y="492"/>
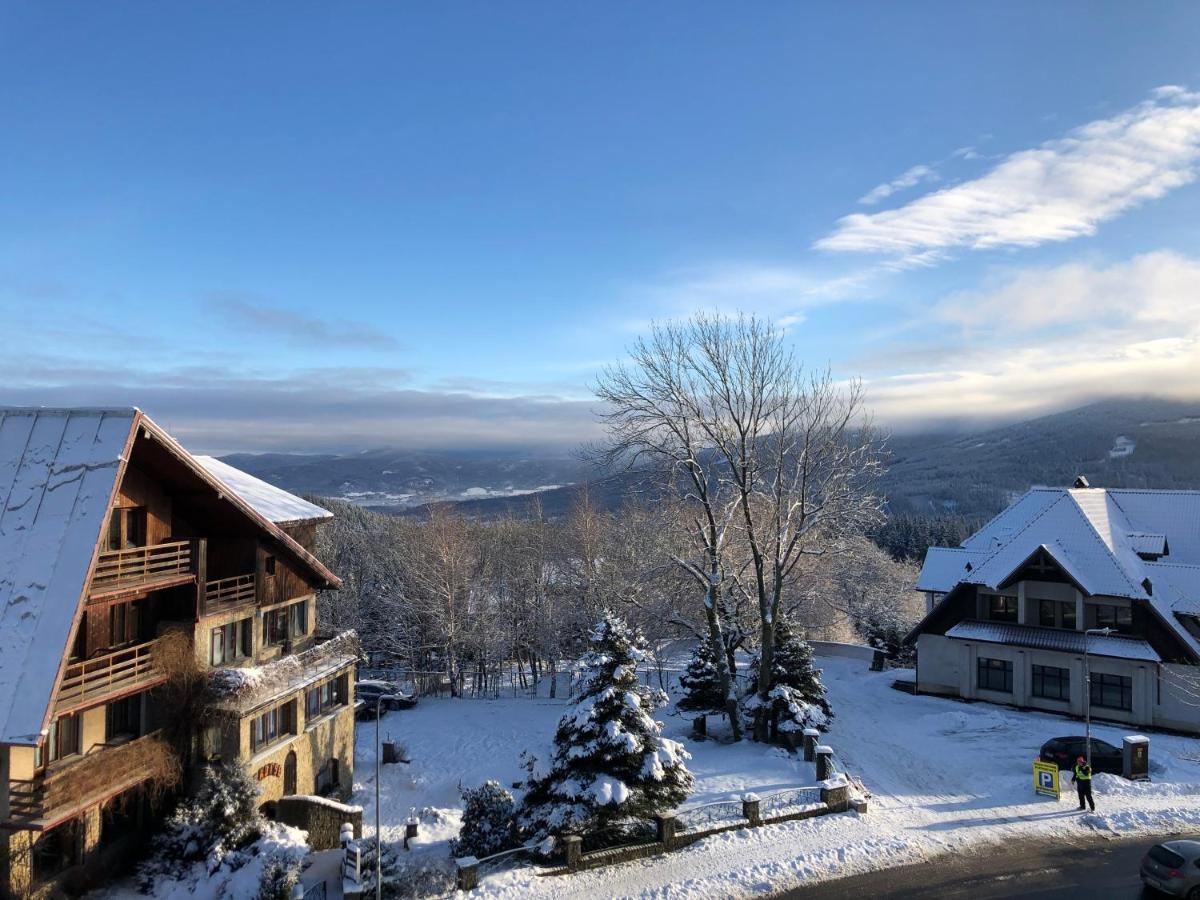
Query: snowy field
<point x="943" y="775"/>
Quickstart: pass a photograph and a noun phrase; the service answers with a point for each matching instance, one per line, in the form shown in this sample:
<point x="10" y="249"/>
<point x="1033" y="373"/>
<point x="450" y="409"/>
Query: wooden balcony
<point x="160" y="565"/>
<point x="72" y="785"/>
<point x="229" y="593"/>
<point x="123" y="671"/>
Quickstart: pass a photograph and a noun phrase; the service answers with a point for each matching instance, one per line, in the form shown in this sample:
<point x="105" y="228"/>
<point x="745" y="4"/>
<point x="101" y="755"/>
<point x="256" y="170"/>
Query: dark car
<point x="368" y="691"/>
<point x="1173" y="867"/>
<point x="1065" y="750"/>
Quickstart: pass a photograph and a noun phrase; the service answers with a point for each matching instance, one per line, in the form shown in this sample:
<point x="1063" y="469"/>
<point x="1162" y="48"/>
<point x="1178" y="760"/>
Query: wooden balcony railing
<point x="92" y="679"/>
<point x="75" y="784"/>
<point x="229" y="592"/>
<point x="137" y="565"/>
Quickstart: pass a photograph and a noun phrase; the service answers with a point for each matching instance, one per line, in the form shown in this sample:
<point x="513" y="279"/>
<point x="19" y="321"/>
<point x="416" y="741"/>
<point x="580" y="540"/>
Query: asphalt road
<point x="1059" y="870"/>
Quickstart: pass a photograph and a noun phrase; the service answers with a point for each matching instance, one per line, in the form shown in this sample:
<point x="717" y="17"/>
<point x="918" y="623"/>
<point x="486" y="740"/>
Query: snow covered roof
<point x="1099" y="537"/>
<point x="1054" y="639"/>
<point x="273" y="503"/>
<point x="59" y="470"/>
<point x="946" y="566"/>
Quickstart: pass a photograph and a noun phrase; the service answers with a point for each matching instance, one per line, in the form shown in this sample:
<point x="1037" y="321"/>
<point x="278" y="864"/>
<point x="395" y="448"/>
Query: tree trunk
<point x="717" y="642"/>
<point x="766" y="662"/>
<point x="553" y="675"/>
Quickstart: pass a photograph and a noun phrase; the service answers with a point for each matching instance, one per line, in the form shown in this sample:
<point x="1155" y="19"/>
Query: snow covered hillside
<point x="943" y="775"/>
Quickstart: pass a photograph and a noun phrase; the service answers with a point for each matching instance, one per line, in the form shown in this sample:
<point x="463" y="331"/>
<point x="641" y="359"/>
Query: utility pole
<point x="1087" y="686"/>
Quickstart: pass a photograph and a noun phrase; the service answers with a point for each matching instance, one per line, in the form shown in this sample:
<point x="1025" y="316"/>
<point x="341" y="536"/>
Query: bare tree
<point x="769" y="456"/>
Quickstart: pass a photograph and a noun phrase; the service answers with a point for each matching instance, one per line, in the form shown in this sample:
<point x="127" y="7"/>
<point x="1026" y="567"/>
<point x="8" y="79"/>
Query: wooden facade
<point x="181" y="558"/>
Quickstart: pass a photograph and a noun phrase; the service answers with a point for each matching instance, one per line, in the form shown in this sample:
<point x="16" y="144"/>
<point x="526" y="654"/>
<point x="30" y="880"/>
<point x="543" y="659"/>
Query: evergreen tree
<point x="797" y="697"/>
<point x="488" y="822"/>
<point x="610" y="762"/>
<point x="702" y="689"/>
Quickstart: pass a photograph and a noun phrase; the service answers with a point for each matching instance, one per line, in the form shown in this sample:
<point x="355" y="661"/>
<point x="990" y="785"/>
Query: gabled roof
<point x="273" y="503"/>
<point x="1097" y="536"/>
<point x="59" y="470"/>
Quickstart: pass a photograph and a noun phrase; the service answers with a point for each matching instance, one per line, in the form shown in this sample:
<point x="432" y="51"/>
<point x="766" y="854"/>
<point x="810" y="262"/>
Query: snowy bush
<point x="406" y="877"/>
<point x="280" y="873"/>
<point x="610" y="762"/>
<point x="221" y="817"/>
<point x="788" y="709"/>
<point x="488" y="822"/>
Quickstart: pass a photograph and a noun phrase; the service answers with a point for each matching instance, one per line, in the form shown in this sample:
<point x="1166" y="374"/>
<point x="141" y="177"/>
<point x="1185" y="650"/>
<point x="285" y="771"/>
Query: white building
<point x="1007" y="611"/>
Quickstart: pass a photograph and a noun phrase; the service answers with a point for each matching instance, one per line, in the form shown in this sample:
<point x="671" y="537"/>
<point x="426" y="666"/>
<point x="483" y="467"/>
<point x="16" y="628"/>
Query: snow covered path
<point x="943" y="775"/>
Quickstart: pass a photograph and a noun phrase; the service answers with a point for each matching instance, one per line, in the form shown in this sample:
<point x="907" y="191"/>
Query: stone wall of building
<point x="320" y="817"/>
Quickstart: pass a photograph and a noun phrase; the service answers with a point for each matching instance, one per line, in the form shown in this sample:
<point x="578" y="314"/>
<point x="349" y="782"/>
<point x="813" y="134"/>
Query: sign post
<point x="1045" y="778"/>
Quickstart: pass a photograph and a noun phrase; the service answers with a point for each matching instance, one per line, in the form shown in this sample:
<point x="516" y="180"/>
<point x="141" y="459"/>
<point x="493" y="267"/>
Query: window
<point x="327" y="778"/>
<point x="271" y="726"/>
<point x="274" y="627"/>
<point x="57" y="849"/>
<point x="324" y="697"/>
<point x="1051" y="682"/>
<point x="298" y="619"/>
<point x="62" y="741"/>
<point x="1112" y="691"/>
<point x="127" y="528"/>
<point x="1002" y="609"/>
<point x="286" y="622"/>
<point x="269" y="565"/>
<point x="232" y="642"/>
<point x="1056" y="614"/>
<point x="995" y="675"/>
<point x="124" y="717"/>
<point x="1118" y="618"/>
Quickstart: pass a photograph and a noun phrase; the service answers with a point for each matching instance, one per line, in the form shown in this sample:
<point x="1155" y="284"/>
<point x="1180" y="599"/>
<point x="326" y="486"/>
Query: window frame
<point x="1103" y="683"/>
<point x="993" y="666"/>
<point x="1039" y="680"/>
<point x="272" y="726"/>
<point x="1002" y="608"/>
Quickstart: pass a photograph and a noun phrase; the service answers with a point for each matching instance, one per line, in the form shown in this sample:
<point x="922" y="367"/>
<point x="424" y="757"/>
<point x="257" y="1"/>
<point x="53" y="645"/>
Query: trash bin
<point x="1136" y="757"/>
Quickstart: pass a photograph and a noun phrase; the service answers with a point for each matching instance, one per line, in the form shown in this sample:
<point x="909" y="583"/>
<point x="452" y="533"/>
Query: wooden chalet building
<point x="129" y="569"/>
<point x="1008" y="611"/>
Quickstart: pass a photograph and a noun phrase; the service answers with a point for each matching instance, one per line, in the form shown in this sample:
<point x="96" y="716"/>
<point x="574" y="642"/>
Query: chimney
<point x="1081" y="482"/>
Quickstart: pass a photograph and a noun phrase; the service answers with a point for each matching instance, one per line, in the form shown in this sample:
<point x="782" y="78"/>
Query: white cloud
<point x="913" y="176"/>
<point x="1061" y="190"/>
<point x="1052" y="338"/>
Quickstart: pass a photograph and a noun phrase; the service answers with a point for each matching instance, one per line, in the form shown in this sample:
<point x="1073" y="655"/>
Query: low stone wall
<point x="850" y="651"/>
<point x="321" y="817"/>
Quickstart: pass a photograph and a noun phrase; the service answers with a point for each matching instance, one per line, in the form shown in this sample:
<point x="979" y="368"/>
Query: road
<point x="1058" y="870"/>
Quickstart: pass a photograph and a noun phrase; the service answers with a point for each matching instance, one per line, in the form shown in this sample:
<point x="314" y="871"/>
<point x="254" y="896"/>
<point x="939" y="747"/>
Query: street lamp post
<point x="379" y="837"/>
<point x="1087" y="686"/>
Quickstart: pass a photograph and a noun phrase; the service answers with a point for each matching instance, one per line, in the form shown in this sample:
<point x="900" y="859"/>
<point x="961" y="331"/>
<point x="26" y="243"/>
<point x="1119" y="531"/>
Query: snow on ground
<point x="943" y="775"/>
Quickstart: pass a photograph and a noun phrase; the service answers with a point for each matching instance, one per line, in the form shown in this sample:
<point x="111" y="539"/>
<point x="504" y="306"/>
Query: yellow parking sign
<point x="1045" y="778"/>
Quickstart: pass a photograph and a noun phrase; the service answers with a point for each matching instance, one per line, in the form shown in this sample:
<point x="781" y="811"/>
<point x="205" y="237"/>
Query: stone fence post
<point x="836" y="797"/>
<point x="811" y="736"/>
<point x="573" y="848"/>
<point x="468" y="873"/>
<point x="824" y="756"/>
<point x="751" y="810"/>
<point x="667" y="826"/>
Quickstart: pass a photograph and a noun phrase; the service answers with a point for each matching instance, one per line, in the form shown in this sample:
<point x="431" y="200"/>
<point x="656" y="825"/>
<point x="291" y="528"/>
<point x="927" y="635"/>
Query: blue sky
<point x="307" y="226"/>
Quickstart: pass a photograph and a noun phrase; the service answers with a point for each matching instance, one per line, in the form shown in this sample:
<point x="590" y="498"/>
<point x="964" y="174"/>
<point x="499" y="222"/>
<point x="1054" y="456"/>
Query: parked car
<point x="1065" y="750"/>
<point x="1173" y="867"/>
<point x="370" y="690"/>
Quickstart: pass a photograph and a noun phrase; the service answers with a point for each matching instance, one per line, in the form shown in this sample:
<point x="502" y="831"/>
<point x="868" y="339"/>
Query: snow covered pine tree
<point x="701" y="686"/>
<point x="610" y="764"/>
<point x="797" y="697"/>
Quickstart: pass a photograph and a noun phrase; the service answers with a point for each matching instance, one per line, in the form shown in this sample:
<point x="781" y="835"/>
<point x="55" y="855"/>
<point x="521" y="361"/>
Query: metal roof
<point x="272" y="502"/>
<point x="1065" y="641"/>
<point x="58" y="472"/>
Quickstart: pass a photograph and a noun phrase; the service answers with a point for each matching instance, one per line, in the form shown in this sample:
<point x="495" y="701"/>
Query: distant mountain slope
<point x="391" y="477"/>
<point x="1118" y="443"/>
